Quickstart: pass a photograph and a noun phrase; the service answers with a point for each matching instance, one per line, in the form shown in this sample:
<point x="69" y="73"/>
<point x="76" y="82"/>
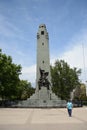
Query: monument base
<point x="43" y="99"/>
<point x="32" y="103"/>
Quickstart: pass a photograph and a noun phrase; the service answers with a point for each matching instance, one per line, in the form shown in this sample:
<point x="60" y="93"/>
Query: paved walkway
<point x="42" y="119"/>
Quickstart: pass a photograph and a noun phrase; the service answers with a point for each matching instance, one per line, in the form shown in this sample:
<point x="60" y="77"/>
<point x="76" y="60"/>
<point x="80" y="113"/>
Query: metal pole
<point x="84" y="66"/>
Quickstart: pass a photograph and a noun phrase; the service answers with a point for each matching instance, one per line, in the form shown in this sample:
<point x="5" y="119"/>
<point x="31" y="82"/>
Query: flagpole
<point x="84" y="66"/>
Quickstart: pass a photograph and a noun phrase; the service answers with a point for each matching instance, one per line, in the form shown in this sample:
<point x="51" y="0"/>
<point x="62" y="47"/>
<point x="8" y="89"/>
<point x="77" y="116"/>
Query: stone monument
<point x="43" y="96"/>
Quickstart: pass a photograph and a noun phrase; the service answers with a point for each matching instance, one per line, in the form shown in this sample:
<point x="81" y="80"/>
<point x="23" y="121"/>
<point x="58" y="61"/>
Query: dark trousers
<point x="70" y="112"/>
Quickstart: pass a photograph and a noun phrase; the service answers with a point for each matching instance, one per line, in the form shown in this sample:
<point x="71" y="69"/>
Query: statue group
<point x="43" y="81"/>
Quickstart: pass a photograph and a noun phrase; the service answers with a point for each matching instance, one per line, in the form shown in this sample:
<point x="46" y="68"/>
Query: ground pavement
<point x="42" y="119"/>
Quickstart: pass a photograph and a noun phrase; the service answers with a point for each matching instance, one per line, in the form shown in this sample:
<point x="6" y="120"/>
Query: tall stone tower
<point x="43" y="96"/>
<point x="43" y="93"/>
<point x="43" y="60"/>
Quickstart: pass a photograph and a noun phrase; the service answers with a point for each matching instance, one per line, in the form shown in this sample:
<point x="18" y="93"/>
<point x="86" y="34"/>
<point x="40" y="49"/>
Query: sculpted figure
<point x="43" y="81"/>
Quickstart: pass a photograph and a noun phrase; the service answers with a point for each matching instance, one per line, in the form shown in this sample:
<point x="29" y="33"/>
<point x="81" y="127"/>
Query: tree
<point x="24" y="90"/>
<point x="64" y="79"/>
<point x="11" y="87"/>
<point x="9" y="76"/>
<point x="80" y="92"/>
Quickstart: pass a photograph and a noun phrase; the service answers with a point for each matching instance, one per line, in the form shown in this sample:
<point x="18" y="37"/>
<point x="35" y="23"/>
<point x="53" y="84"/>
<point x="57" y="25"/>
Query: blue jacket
<point x="69" y="105"/>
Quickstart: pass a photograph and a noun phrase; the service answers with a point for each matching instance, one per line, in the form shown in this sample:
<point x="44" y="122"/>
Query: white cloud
<point x="77" y="57"/>
<point x="76" y="54"/>
<point x="4" y="27"/>
<point x="8" y="29"/>
<point x="29" y="73"/>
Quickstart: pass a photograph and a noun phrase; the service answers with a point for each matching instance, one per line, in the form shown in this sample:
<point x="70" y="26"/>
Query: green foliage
<point x="11" y="87"/>
<point x="64" y="79"/>
<point x="9" y="76"/>
<point x="80" y="92"/>
<point x="25" y="90"/>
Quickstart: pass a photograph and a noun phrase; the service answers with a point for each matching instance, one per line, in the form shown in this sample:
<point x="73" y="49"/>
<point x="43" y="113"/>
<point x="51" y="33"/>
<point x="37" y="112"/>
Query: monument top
<point x="42" y="25"/>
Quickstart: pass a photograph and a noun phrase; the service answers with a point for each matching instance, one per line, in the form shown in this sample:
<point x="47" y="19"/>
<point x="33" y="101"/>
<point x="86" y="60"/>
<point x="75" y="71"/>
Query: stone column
<point x="43" y="61"/>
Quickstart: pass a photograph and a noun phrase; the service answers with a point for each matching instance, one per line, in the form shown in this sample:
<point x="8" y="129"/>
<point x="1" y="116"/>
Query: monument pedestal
<point x="44" y="94"/>
<point x="43" y="99"/>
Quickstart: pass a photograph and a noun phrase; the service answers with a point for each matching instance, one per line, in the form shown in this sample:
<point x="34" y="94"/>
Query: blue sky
<point x="66" y="22"/>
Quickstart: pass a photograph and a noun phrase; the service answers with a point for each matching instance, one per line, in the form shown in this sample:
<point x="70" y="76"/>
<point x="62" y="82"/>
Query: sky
<point x="66" y="23"/>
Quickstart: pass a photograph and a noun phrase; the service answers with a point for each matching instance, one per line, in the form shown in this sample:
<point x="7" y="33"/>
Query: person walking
<point x="69" y="108"/>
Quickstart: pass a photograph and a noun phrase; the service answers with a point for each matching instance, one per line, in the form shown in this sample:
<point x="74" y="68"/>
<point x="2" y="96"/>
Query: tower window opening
<point x="42" y="32"/>
<point x="42" y="43"/>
